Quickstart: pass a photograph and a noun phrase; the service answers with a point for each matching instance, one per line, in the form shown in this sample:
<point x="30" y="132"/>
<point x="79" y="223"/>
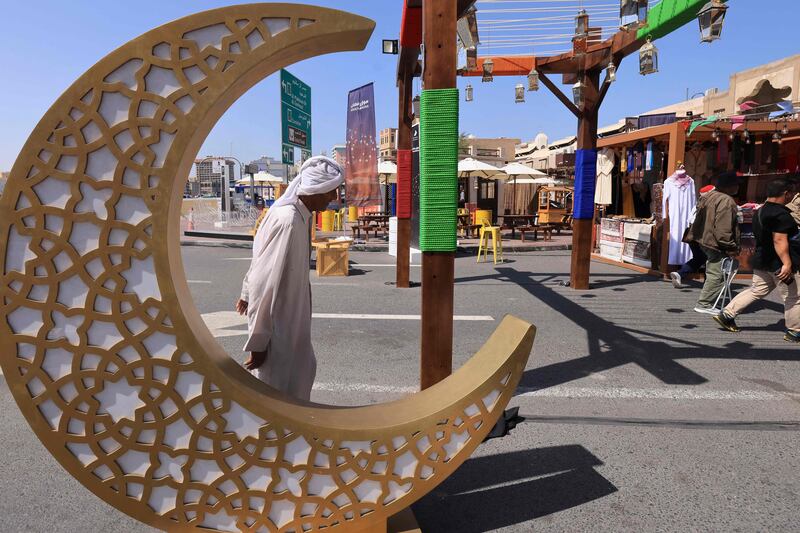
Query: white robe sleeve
<point x="262" y="283"/>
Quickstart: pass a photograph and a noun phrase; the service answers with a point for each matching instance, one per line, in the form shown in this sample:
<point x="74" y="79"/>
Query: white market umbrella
<point x="469" y="168"/>
<point x="261" y="178"/>
<point x="525" y="175"/>
<point x="388" y="171"/>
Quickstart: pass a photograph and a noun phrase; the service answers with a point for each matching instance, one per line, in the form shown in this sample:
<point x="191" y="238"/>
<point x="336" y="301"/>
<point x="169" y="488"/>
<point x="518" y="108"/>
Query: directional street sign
<point x="295" y="116"/>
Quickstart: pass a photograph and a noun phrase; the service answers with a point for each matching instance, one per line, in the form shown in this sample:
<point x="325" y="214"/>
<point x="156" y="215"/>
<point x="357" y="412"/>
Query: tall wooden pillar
<point x="585" y="178"/>
<point x="438" y="268"/>
<point x="404" y="86"/>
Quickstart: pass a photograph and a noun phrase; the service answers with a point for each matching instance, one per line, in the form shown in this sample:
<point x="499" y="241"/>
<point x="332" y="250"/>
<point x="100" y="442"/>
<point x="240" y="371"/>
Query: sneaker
<point x="706" y="310"/>
<point x="676" y="280"/>
<point x="792" y="336"/>
<point x="727" y="322"/>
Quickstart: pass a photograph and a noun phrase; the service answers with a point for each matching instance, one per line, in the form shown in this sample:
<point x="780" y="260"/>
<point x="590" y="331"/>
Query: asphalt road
<point x="641" y="415"/>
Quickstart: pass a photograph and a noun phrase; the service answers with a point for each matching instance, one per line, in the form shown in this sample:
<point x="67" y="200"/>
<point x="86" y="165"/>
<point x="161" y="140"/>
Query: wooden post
<point x="438" y="268"/>
<point x="587" y="140"/>
<point x="404" y="86"/>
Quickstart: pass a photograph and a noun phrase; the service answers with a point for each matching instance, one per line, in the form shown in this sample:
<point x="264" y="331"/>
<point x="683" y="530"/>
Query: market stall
<point x="637" y="171"/>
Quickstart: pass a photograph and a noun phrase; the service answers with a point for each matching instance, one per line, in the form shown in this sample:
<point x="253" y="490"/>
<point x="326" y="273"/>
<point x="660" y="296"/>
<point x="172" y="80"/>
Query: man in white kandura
<point x="276" y="292"/>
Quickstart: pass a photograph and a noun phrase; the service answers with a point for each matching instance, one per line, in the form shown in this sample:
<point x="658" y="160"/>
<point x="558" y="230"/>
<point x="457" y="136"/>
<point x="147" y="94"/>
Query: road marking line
<point x="672" y="393"/>
<point x="231" y="324"/>
<point x="458" y="318"/>
<point x="379" y="265"/>
<point x="201" y="281"/>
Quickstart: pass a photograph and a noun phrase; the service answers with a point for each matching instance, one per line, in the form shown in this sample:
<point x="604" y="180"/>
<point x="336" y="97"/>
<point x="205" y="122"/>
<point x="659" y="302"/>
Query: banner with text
<point x="361" y="173"/>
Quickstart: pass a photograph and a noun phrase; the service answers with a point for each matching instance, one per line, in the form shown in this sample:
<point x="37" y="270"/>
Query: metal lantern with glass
<point x="533" y="79"/>
<point x="648" y="58"/>
<point x="581" y="38"/>
<point x="468" y="93"/>
<point x="611" y="72"/>
<point x="711" y="18"/>
<point x="519" y="94"/>
<point x="632" y="13"/>
<point x="578" y="92"/>
<point x="488" y="68"/>
<point x="472" y="58"/>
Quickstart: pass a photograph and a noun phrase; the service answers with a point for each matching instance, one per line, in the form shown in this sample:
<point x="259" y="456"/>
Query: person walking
<point x="716" y="230"/>
<point x="699" y="258"/>
<point x="773" y="264"/>
<point x="276" y="292"/>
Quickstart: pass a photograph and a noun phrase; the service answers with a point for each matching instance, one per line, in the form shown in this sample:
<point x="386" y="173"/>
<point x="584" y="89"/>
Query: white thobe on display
<point x="278" y="291"/>
<point x="682" y="200"/>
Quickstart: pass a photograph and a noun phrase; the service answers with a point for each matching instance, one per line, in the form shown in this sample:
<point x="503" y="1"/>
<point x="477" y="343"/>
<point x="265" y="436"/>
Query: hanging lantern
<point x="776" y="137"/>
<point x="731" y="136"/>
<point x="578" y="91"/>
<point x="747" y="135"/>
<point x="711" y="18"/>
<point x="648" y="58"/>
<point x="611" y="72"/>
<point x="468" y="96"/>
<point x="716" y="135"/>
<point x="488" y="68"/>
<point x="533" y="80"/>
<point x="582" y="24"/>
<point x="785" y="129"/>
<point x="472" y="58"/>
<point x="519" y="94"/>
<point x="632" y="13"/>
<point x="415" y="104"/>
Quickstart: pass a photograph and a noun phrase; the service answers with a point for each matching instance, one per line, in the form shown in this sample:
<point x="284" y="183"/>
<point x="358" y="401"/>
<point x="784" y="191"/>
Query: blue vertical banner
<point x="585" y="180"/>
<point x="361" y="175"/>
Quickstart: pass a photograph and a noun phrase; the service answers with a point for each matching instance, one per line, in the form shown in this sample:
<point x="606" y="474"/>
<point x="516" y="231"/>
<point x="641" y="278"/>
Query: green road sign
<point x="287" y="154"/>
<point x="295" y="113"/>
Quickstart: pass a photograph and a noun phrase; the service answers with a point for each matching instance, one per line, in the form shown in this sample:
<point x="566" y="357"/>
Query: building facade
<point x="211" y="172"/>
<point x="339" y="154"/>
<point x="388" y="144"/>
<point x="270" y="165"/>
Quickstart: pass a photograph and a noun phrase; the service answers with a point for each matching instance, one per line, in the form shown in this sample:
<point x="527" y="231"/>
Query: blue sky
<point x="61" y="40"/>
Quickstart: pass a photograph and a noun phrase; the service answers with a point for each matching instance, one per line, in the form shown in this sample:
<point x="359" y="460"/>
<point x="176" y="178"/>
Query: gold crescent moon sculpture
<point x="111" y="363"/>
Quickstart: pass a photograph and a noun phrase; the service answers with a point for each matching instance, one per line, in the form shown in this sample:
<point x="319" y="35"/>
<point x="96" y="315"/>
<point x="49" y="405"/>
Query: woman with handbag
<point x="775" y="264"/>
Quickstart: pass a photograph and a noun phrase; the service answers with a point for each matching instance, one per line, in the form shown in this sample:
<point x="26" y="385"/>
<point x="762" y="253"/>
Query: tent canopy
<point x="518" y="169"/>
<point x="469" y="168"/>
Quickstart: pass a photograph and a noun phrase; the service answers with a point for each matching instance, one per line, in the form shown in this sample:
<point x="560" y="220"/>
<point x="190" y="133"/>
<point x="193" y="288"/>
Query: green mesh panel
<point x="668" y="16"/>
<point x="438" y="161"/>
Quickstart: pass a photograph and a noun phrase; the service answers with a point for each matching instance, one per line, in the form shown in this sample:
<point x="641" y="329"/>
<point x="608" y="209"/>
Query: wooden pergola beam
<point x="560" y="95"/>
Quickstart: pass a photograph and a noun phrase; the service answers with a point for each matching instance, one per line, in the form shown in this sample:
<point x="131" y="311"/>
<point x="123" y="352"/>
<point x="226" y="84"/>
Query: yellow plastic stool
<point x="497" y="242"/>
<point x="352" y="214"/>
<point x="338" y="220"/>
<point x="327" y="221"/>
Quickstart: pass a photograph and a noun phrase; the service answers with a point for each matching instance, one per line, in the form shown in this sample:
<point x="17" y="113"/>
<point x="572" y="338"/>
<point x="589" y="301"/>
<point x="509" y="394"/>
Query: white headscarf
<point x="318" y="175"/>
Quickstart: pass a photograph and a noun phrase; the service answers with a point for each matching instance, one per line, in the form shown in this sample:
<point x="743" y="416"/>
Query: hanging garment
<point x="605" y="167"/>
<point x="679" y="193"/>
<point x="648" y="159"/>
<point x="628" y="208"/>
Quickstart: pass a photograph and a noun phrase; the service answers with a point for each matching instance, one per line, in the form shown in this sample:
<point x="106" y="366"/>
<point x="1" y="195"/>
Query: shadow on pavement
<point x="612" y="345"/>
<point x="502" y="490"/>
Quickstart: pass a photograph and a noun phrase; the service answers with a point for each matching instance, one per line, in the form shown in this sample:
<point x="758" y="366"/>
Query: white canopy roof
<point x="261" y="178"/>
<point x="518" y="169"/>
<point x="469" y="167"/>
<point x="535" y="181"/>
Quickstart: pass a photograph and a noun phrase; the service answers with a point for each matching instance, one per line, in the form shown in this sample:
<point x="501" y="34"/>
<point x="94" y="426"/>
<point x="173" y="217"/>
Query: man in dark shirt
<point x="773" y="227"/>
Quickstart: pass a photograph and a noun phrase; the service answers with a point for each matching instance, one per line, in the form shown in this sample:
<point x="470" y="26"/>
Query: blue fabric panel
<point x="585" y="179"/>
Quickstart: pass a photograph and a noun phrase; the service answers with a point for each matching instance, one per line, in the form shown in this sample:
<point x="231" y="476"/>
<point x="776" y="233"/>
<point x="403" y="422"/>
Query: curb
<point x="468" y="250"/>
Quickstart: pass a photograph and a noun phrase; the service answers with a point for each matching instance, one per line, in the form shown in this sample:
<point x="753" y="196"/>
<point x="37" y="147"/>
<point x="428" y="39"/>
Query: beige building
<point x="388" y="144"/>
<point x="782" y="73"/>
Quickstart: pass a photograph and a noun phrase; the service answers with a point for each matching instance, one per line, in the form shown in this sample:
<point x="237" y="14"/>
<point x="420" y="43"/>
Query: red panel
<point x="404" y="184"/>
<point x="411" y="28"/>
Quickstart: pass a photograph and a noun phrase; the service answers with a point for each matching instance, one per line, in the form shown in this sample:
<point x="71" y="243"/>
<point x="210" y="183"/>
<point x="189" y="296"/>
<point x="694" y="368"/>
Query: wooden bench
<point x="366" y="229"/>
<point x="566" y="223"/>
<point x="469" y="230"/>
<point x="547" y="232"/>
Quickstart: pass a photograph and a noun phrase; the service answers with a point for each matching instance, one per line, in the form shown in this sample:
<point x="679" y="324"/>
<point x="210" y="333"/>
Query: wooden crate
<point x="333" y="258"/>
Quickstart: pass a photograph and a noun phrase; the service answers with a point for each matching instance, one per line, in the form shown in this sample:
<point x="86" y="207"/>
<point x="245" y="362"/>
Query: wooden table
<point x="512" y="221"/>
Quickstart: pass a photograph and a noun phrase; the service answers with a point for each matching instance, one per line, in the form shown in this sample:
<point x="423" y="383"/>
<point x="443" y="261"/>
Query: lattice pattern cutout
<point x="91" y="350"/>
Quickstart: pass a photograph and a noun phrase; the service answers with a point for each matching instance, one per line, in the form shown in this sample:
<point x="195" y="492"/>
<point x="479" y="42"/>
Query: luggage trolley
<point x="730" y="267"/>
